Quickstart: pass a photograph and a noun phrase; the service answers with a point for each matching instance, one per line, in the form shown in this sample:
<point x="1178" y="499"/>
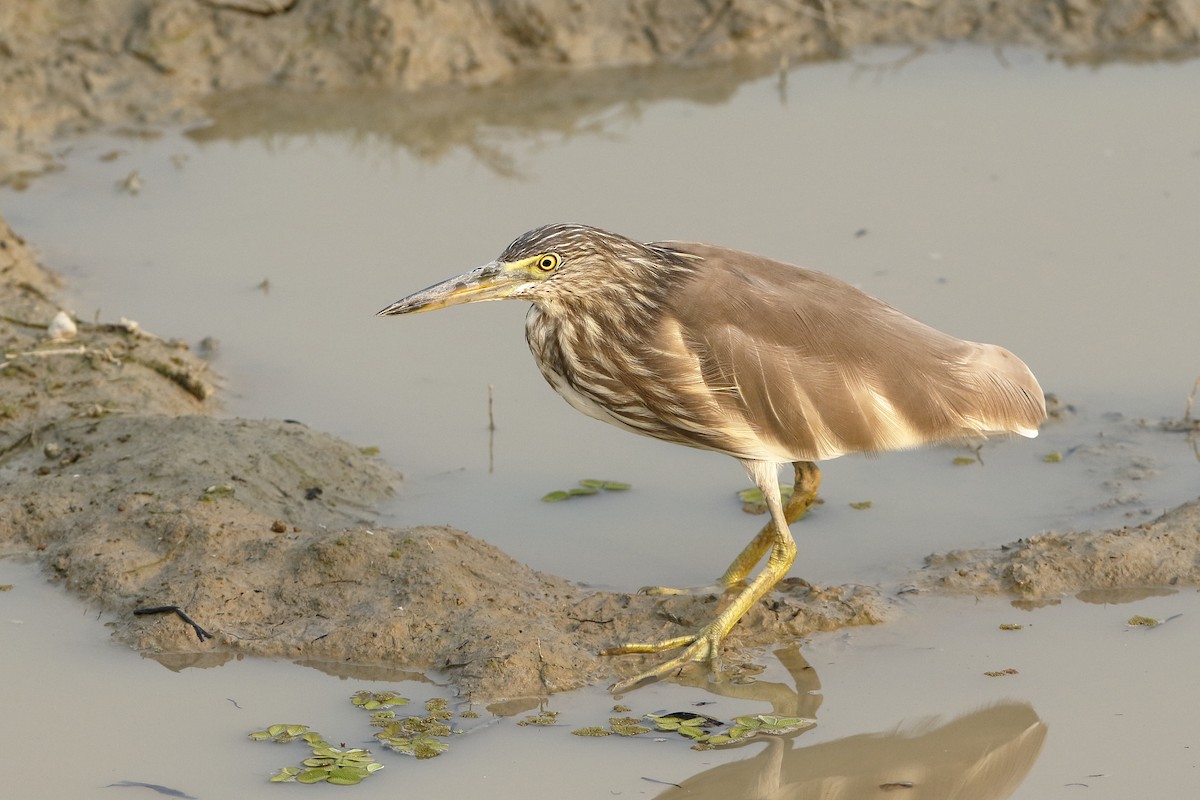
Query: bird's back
<point x="788" y="364"/>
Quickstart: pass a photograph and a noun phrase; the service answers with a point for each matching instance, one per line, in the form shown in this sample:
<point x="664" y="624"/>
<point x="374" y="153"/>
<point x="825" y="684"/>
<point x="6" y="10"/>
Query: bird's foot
<point x="704" y="645"/>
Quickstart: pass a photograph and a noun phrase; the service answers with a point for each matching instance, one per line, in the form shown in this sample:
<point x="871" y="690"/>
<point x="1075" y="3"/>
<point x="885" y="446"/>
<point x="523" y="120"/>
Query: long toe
<point x="663" y="591"/>
<point x="704" y="645"/>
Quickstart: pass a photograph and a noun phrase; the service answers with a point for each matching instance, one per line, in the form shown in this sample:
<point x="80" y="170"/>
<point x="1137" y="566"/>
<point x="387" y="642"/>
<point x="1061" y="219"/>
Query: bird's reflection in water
<point x="982" y="755"/>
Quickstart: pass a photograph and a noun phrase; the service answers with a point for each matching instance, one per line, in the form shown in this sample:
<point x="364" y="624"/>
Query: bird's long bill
<point x="492" y="281"/>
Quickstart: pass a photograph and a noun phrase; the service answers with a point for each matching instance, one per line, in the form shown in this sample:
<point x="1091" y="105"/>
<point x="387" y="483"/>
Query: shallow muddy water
<point x="1113" y="704"/>
<point x="996" y="196"/>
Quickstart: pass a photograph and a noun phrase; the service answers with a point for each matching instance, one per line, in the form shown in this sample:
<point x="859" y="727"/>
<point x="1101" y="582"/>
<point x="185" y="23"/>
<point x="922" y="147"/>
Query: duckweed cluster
<point x="427" y="736"/>
<point x="418" y="736"/>
<point x="705" y="732"/>
<point x="587" y="486"/>
<point x="327" y="764"/>
<point x="421" y="737"/>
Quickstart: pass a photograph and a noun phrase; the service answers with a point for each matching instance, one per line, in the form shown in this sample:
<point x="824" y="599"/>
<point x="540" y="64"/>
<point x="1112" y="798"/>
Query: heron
<point x="724" y="350"/>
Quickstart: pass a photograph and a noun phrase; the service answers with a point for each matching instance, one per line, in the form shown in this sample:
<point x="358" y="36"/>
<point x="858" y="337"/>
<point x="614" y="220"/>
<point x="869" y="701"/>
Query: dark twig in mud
<point x="201" y="634"/>
<point x="186" y="378"/>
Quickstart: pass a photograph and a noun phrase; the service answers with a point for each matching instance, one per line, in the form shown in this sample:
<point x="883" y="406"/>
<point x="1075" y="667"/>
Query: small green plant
<point x="592" y="730"/>
<point x="542" y="718"/>
<point x="753" y="501"/>
<point x="586" y="487"/>
<point x="373" y="700"/>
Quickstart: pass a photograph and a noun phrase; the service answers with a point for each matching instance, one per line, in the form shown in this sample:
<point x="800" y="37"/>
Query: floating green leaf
<point x="346" y="776"/>
<point x="286" y="774"/>
<point x="861" y="505"/>
<point x="554" y="497"/>
<point x="962" y="460"/>
<point x="690" y="725"/>
<point x="1052" y="458"/>
<point x="312" y="776"/>
<point x="1147" y="622"/>
<point x="280" y="733"/>
<point x="777" y="725"/>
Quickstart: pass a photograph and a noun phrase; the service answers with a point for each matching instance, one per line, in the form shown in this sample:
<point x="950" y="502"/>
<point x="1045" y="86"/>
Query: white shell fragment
<point x="61" y="328"/>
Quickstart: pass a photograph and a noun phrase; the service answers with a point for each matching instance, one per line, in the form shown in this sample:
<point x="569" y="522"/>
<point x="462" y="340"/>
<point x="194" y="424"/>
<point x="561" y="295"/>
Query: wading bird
<point x="724" y="350"/>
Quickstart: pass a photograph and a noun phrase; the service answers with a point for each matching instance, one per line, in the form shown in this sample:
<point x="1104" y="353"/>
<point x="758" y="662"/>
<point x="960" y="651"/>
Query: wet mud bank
<point x="121" y="478"/>
<point x="123" y="482"/>
<point x="135" y="65"/>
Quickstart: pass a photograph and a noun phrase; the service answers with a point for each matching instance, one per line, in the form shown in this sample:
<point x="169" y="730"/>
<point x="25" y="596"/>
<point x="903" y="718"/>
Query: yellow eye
<point x="546" y="261"/>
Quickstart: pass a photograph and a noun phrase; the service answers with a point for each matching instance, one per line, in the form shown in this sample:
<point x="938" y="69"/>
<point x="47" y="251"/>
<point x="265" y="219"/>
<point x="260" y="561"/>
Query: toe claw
<point x="704" y="645"/>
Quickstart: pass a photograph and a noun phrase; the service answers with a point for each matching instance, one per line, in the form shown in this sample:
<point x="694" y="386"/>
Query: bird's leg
<point x="804" y="494"/>
<point x="705" y="644"/>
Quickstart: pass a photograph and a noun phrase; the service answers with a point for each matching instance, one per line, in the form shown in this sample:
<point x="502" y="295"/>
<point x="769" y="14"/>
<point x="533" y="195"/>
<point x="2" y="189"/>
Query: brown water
<point x="1046" y="208"/>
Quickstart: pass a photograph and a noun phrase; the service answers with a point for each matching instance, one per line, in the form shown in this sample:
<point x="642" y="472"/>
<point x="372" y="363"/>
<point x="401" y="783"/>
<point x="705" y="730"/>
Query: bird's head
<point x="554" y="262"/>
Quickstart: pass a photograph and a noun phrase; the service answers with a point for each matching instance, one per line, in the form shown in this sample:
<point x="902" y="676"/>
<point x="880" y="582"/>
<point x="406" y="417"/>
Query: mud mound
<point x="1165" y="552"/>
<point x="120" y="482"/>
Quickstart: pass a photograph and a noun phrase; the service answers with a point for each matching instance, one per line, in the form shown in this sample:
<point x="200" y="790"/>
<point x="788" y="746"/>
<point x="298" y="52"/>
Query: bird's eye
<point x="546" y="262"/>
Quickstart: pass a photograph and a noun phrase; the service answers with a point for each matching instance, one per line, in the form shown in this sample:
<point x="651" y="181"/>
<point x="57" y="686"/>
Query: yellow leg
<point x="705" y="644"/>
<point x="804" y="494"/>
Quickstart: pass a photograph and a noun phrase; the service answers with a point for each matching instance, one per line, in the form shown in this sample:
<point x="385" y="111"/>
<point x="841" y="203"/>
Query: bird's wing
<point x="801" y="366"/>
